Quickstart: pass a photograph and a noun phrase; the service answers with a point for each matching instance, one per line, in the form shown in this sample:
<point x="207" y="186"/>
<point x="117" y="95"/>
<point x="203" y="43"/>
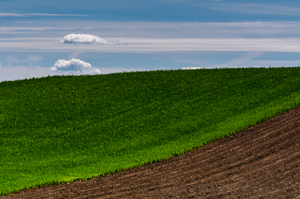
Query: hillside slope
<point x="67" y="128"/>
<point x="262" y="161"/>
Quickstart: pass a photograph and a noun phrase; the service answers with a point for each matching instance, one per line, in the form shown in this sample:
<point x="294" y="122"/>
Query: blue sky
<point x="40" y="37"/>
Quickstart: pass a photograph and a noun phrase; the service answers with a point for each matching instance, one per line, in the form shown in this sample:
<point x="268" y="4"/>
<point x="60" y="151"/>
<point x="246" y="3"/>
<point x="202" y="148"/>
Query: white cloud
<point x="192" y="68"/>
<point x="85" y="38"/>
<point x="74" y="66"/>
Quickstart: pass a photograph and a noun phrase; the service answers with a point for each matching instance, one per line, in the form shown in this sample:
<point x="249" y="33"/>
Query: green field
<point x="65" y="128"/>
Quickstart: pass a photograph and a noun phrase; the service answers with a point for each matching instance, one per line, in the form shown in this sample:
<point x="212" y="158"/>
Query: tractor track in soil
<point x="262" y="161"/>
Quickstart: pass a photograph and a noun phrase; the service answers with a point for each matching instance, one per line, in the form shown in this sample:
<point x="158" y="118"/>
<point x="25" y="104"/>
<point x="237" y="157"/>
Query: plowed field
<point x="259" y="162"/>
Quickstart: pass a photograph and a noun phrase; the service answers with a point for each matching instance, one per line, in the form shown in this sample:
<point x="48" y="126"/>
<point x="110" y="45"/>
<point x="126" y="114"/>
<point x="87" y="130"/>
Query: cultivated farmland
<point x="62" y="129"/>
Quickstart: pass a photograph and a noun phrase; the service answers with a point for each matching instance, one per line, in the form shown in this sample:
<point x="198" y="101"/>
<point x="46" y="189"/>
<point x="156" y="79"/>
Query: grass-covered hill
<point x="64" y="128"/>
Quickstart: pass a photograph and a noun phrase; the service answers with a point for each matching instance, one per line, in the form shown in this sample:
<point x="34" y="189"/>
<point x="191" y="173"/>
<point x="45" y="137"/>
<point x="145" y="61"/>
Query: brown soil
<point x="259" y="162"/>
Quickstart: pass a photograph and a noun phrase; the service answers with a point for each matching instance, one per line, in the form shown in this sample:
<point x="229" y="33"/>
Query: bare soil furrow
<point x="240" y="147"/>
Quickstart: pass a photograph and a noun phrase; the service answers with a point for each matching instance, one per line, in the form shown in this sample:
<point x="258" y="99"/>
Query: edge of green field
<point x="66" y="128"/>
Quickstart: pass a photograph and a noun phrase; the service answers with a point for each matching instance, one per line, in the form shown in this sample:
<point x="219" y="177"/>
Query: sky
<point x="39" y="38"/>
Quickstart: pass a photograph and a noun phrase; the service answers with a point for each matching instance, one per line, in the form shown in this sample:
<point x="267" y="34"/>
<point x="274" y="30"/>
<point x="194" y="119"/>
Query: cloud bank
<point x="192" y="68"/>
<point x="154" y="45"/>
<point x="136" y="37"/>
<point x="85" y="38"/>
<point x="74" y="66"/>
